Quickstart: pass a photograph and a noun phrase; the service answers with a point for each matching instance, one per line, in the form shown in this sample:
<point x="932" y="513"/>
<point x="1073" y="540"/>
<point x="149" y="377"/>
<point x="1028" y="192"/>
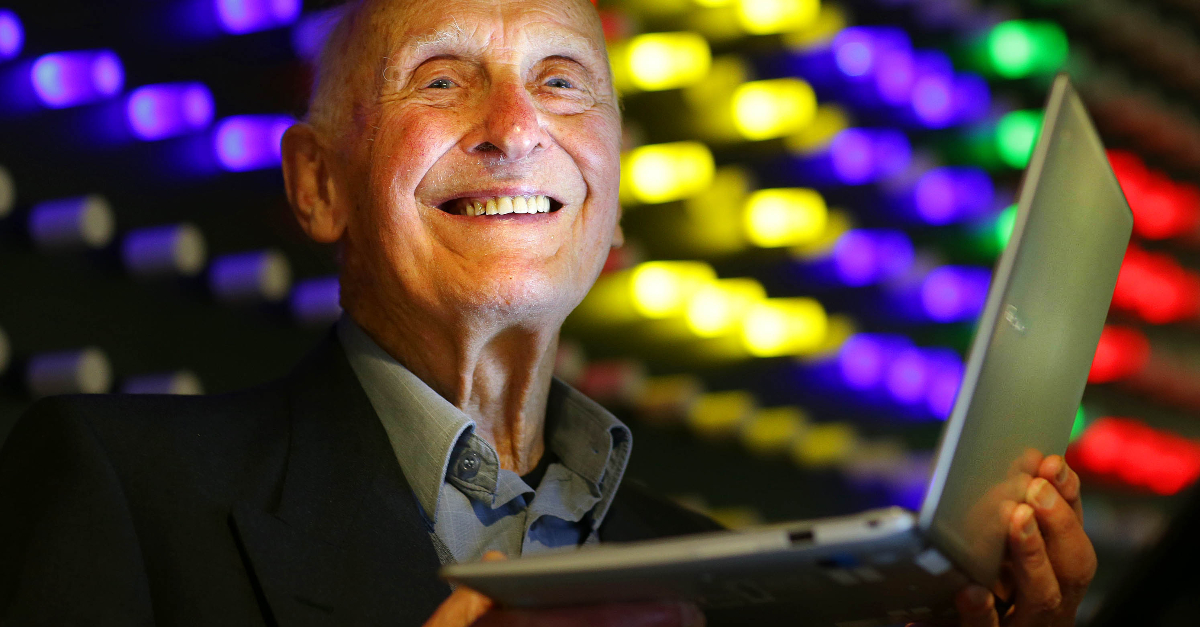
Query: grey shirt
<point x="471" y="504"/>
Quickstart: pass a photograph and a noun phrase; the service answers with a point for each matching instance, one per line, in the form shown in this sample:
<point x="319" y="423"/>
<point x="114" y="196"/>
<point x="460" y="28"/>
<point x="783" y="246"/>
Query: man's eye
<point x="560" y="83"/>
<point x="442" y="83"/>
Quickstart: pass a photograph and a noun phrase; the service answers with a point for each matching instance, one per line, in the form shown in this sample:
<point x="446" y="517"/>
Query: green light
<point x="1080" y="424"/>
<point x="1020" y="48"/>
<point x="1016" y="135"/>
<point x="1004" y="226"/>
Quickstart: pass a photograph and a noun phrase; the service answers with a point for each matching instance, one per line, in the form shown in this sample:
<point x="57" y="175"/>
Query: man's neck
<point x="501" y="379"/>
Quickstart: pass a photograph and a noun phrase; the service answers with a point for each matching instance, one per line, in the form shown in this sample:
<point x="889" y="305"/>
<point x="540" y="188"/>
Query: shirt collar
<point x="428" y="433"/>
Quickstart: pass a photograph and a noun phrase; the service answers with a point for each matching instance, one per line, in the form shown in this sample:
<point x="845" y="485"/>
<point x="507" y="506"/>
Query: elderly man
<point x="463" y="154"/>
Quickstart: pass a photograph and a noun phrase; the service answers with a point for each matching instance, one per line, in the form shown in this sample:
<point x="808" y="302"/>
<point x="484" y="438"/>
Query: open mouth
<point x="500" y="205"/>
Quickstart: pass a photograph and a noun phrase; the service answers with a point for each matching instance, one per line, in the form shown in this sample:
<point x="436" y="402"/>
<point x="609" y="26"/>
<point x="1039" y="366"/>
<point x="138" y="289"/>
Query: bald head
<point x="358" y="59"/>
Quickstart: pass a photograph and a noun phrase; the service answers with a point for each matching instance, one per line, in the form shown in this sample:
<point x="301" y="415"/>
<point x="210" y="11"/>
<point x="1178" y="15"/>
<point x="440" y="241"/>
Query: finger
<point x="1055" y="470"/>
<point x="976" y="607"/>
<point x="494" y="556"/>
<point x="1070" y="551"/>
<point x="661" y="614"/>
<point x="1038" y="597"/>
<point x="463" y="607"/>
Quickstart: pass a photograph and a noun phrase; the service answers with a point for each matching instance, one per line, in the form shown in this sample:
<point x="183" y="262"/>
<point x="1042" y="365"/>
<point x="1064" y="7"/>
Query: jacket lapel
<point x="336" y="538"/>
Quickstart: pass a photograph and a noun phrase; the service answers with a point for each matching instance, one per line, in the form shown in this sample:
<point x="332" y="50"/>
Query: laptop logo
<point x="1014" y="320"/>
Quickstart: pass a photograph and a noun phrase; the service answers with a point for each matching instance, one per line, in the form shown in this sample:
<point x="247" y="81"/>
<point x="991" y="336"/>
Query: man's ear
<point x="308" y="177"/>
<point x="618" y="235"/>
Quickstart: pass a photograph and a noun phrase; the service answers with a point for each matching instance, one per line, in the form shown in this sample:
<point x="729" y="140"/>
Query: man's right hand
<point x="467" y="607"/>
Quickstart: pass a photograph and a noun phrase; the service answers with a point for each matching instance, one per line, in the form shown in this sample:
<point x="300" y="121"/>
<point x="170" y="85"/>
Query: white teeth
<point x="501" y="205"/>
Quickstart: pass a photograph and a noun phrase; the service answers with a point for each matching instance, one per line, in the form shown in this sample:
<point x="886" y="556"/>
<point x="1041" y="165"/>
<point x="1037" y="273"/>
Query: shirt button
<point x="468" y="465"/>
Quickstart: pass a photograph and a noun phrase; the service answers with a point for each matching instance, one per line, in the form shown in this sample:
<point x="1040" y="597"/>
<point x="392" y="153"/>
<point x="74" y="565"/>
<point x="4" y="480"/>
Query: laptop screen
<point x="1028" y="364"/>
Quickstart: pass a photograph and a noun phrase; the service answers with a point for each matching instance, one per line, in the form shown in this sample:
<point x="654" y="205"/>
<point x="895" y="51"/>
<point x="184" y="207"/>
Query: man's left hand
<point x="1052" y="559"/>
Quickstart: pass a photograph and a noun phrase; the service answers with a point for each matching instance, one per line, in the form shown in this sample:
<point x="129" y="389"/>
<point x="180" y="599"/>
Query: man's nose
<point x="511" y="127"/>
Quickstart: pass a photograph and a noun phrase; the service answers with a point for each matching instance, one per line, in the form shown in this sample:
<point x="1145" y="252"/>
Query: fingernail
<point x="1041" y="493"/>
<point x="1025" y="516"/>
<point x="978" y="596"/>
<point x="1061" y="477"/>
<point x="690" y="615"/>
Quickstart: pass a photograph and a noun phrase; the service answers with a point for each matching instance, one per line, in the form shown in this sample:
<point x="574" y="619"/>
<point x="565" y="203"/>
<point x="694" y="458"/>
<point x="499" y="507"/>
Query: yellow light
<point x="784" y="326"/>
<point x="825" y="445"/>
<point x="773" y="108"/>
<point x="657" y="61"/>
<point x="830" y="21"/>
<point x="837" y="222"/>
<point x="784" y="217"/>
<point x="761" y="17"/>
<point x="827" y="122"/>
<point x="713" y="3"/>
<point x="662" y="288"/>
<point x="773" y="430"/>
<point x="666" y="172"/>
<point x="717" y="415"/>
<point x="718" y="309"/>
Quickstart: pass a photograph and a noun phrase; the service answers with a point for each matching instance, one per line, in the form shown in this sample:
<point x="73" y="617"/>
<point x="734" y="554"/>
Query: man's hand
<point x="467" y="607"/>
<point x="1051" y="559"/>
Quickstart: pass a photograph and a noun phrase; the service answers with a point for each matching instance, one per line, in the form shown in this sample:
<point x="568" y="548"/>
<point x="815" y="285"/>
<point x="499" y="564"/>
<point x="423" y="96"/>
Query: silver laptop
<point x="1023" y="382"/>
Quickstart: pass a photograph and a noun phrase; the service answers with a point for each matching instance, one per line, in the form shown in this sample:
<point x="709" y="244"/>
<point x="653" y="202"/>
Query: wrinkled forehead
<point x="426" y="28"/>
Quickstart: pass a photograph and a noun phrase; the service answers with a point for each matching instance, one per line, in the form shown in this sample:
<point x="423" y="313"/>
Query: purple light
<point x="907" y="377"/>
<point x="862" y="257"/>
<point x="250" y="277"/>
<point x="852" y="155"/>
<point x="855" y="258"/>
<point x="161" y="111"/>
<point x="12" y="35"/>
<point x="944" y="380"/>
<point x="893" y="153"/>
<point x="933" y="101"/>
<point x="952" y="194"/>
<point x="246" y="16"/>
<point x="894" y="80"/>
<point x="854" y="52"/>
<point x="250" y="142"/>
<point x="66" y="79"/>
<point x="316" y="301"/>
<point x="310" y="33"/>
<point x="864" y="358"/>
<point x="954" y="293"/>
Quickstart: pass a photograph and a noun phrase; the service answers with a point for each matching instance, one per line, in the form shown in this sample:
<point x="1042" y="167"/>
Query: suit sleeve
<point x="69" y="553"/>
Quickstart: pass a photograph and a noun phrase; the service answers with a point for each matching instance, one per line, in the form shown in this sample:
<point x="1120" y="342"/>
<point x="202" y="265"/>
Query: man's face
<point x="486" y="100"/>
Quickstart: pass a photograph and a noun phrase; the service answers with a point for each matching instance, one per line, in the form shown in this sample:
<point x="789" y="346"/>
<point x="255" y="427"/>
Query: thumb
<point x="464" y="606"/>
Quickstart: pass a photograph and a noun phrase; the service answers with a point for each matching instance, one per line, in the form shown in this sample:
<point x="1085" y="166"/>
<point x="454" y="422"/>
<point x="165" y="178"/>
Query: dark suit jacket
<point x="280" y="505"/>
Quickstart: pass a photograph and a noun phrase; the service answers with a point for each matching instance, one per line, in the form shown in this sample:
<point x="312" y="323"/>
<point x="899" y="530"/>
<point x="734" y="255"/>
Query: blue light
<point x="933" y="101"/>
<point x="863" y="360"/>
<point x="310" y="33"/>
<point x="954" y="293"/>
<point x="250" y="142"/>
<point x="169" y="109"/>
<point x="854" y="51"/>
<point x="66" y="79"/>
<point x="858" y="156"/>
<point x="246" y="16"/>
<point x="894" y="80"/>
<point x="972" y="98"/>
<point x="12" y="35"/>
<point x="867" y="256"/>
<point x="316" y="301"/>
<point x="952" y="194"/>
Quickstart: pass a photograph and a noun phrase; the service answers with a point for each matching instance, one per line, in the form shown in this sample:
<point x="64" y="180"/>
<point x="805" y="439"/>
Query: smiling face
<point x="481" y="103"/>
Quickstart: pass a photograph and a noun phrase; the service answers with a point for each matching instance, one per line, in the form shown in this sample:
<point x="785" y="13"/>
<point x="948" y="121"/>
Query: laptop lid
<point x="1034" y="345"/>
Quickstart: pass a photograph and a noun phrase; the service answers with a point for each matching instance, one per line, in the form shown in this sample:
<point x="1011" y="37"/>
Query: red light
<point x="1161" y="207"/>
<point x="1155" y="288"/>
<point x="1138" y="455"/>
<point x="1121" y="353"/>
